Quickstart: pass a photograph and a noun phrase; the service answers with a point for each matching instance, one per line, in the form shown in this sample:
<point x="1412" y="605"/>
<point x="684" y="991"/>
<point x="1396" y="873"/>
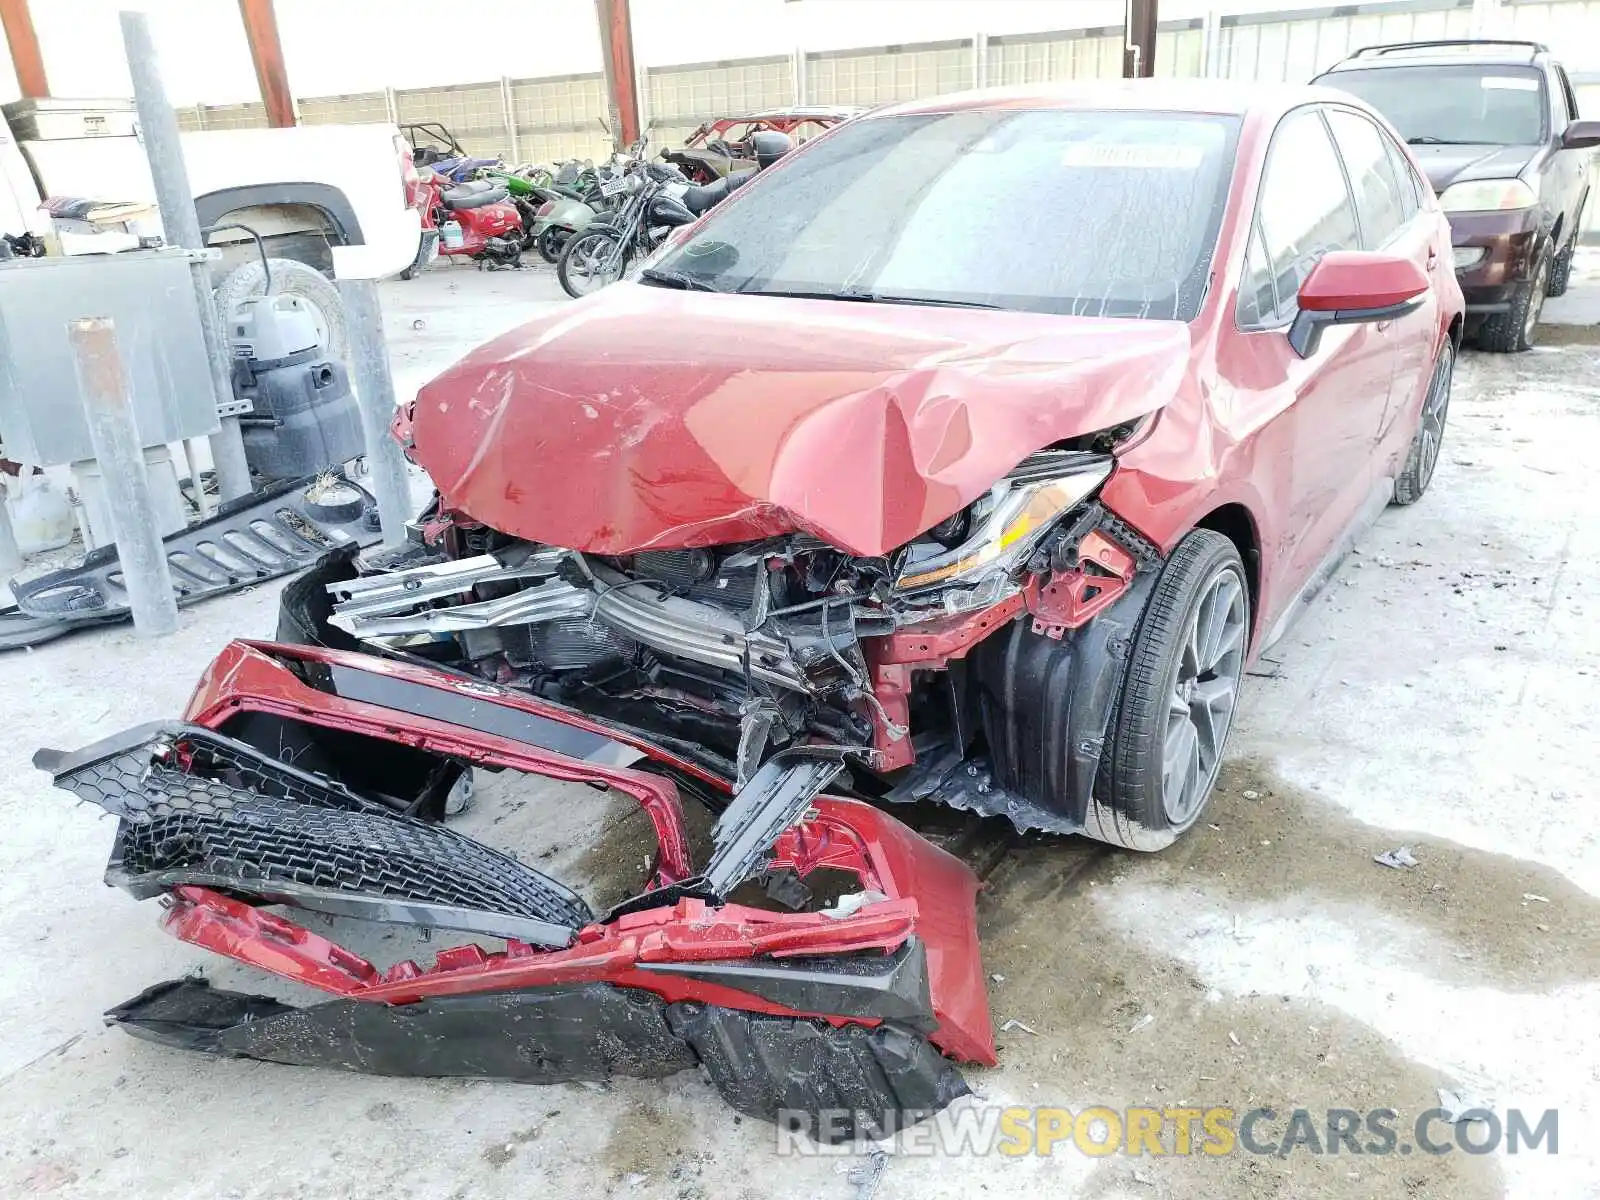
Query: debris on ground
<point x="1463" y="1105"/>
<point x="1535" y="898"/>
<point x="1013" y="1023"/>
<point x="1141" y="1023"/>
<point x="866" y="1177"/>
<point x="1233" y="1037"/>
<point x="1399" y="858"/>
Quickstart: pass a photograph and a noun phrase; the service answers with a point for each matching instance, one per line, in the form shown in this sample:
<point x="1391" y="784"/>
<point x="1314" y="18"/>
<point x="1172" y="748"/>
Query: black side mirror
<point x="1581" y="135"/>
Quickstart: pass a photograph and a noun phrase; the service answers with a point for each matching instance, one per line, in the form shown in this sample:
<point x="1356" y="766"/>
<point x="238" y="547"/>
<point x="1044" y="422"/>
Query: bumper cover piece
<point x="776" y="1068"/>
<point x="791" y="1014"/>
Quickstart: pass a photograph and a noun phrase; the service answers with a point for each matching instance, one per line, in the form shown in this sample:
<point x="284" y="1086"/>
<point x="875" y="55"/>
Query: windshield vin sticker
<point x="1133" y="154"/>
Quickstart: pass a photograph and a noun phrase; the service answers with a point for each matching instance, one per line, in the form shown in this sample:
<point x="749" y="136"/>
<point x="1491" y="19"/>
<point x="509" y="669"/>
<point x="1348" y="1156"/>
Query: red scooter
<point x="475" y="220"/>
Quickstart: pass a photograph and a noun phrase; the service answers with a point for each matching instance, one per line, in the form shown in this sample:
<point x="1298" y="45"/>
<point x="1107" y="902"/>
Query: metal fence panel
<point x="1296" y="49"/>
<point x="1569" y="27"/>
<point x="559" y="118"/>
<point x="889" y="73"/>
<point x="1076" y="54"/>
<point x="232" y="116"/>
<point x="688" y="95"/>
<point x="471" y="111"/>
<point x="360" y="108"/>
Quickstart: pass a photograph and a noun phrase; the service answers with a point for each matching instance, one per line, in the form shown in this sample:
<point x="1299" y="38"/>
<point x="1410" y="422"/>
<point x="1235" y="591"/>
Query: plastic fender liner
<point x="250" y="540"/>
<point x="1055" y="750"/>
<point x="541" y="1035"/>
<point x="833" y="1082"/>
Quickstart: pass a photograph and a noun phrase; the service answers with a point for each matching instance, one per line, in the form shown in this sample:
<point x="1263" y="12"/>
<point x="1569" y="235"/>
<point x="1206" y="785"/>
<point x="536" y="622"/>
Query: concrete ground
<point x="1441" y="694"/>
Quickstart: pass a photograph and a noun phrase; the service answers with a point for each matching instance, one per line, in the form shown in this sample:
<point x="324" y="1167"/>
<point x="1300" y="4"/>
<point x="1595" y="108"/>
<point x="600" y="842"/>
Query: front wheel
<point x="1178" y="699"/>
<point x="1561" y="267"/>
<point x="1423" y="456"/>
<point x="590" y="262"/>
<point x="551" y="243"/>
<point x="1513" y="330"/>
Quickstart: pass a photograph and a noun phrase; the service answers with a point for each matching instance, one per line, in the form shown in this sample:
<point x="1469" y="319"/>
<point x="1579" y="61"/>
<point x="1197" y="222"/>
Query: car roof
<point x="820" y="111"/>
<point x="1485" y="53"/>
<point x="1223" y="97"/>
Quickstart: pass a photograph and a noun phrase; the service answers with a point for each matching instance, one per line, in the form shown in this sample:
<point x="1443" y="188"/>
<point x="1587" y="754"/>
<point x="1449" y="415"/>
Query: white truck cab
<point x="304" y="190"/>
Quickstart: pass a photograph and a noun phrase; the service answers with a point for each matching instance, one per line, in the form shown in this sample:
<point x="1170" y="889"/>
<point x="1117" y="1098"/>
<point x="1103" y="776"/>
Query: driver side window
<point x="1303" y="211"/>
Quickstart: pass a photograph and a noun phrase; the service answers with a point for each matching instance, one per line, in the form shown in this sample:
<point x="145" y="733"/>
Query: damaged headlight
<point x="1009" y="524"/>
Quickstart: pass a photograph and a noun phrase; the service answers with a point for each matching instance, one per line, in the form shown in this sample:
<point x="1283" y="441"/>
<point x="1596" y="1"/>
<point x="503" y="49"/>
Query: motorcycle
<point x="475" y="220"/>
<point x="571" y="208"/>
<point x="602" y="253"/>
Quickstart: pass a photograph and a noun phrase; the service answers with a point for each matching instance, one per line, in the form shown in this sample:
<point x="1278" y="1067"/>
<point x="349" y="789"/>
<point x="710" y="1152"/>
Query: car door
<point x="1569" y="168"/>
<point x="1388" y="213"/>
<point x="1315" y="416"/>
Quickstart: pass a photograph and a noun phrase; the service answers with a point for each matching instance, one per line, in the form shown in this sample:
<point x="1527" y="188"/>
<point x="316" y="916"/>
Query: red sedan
<point x="1000" y="430"/>
<point x="966" y="456"/>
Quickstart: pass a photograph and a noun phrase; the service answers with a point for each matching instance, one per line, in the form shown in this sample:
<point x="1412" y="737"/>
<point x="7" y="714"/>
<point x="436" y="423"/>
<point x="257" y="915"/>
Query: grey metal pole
<point x="10" y="552"/>
<point x="108" y="404"/>
<point x="158" y="125"/>
<point x="369" y="363"/>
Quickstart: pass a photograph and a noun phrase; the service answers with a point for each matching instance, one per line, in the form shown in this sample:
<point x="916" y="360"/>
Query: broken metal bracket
<point x="776" y="797"/>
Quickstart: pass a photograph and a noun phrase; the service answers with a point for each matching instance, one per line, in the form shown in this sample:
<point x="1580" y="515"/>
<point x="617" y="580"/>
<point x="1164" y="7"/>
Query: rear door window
<point x="1303" y="211"/>
<point x="1372" y="178"/>
<point x="1411" y="195"/>
<point x="1568" y="100"/>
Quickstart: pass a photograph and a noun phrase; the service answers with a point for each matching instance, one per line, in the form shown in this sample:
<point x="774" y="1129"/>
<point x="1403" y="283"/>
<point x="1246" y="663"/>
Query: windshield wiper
<point x="1429" y="140"/>
<point x="679" y="279"/>
<point x="871" y="298"/>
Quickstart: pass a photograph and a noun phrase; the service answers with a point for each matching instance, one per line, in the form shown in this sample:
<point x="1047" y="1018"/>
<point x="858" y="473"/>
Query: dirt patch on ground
<point x="1504" y="921"/>
<point x="616" y="863"/>
<point x="1118" y="1025"/>
<point x="1569" y="335"/>
<point x="648" y="1141"/>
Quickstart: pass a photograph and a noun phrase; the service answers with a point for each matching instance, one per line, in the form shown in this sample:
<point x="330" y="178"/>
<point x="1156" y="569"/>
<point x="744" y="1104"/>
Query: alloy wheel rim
<point x="1434" y="411"/>
<point x="592" y="265"/>
<point x="1205" y="692"/>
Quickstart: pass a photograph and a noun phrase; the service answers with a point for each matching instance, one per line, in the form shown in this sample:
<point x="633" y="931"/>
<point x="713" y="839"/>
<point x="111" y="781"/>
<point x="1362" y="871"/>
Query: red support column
<point x="266" y="52"/>
<point x="25" y="56"/>
<point x="616" y="44"/>
<point x="1139" y="51"/>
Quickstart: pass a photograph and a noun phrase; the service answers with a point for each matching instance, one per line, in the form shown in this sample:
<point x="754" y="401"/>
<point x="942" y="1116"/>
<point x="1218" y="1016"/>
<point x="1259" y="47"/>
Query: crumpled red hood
<point x="649" y="418"/>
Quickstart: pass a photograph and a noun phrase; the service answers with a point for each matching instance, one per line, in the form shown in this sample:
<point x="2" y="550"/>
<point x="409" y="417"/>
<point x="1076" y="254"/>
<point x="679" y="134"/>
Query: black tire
<point x="293" y="279"/>
<point x="1513" y="331"/>
<point x="1127" y="808"/>
<point x="551" y="242"/>
<point x="577" y="248"/>
<point x="1561" y="266"/>
<point x="1423" y="457"/>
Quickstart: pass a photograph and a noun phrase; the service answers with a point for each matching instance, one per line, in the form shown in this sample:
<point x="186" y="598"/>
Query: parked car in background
<point x="1495" y="126"/>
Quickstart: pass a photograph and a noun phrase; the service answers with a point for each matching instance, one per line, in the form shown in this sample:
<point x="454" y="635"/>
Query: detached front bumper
<point x="797" y="1016"/>
<point x="1501" y="248"/>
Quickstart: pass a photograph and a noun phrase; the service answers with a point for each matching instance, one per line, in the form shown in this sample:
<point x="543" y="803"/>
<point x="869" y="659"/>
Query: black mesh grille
<point x="200" y="808"/>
